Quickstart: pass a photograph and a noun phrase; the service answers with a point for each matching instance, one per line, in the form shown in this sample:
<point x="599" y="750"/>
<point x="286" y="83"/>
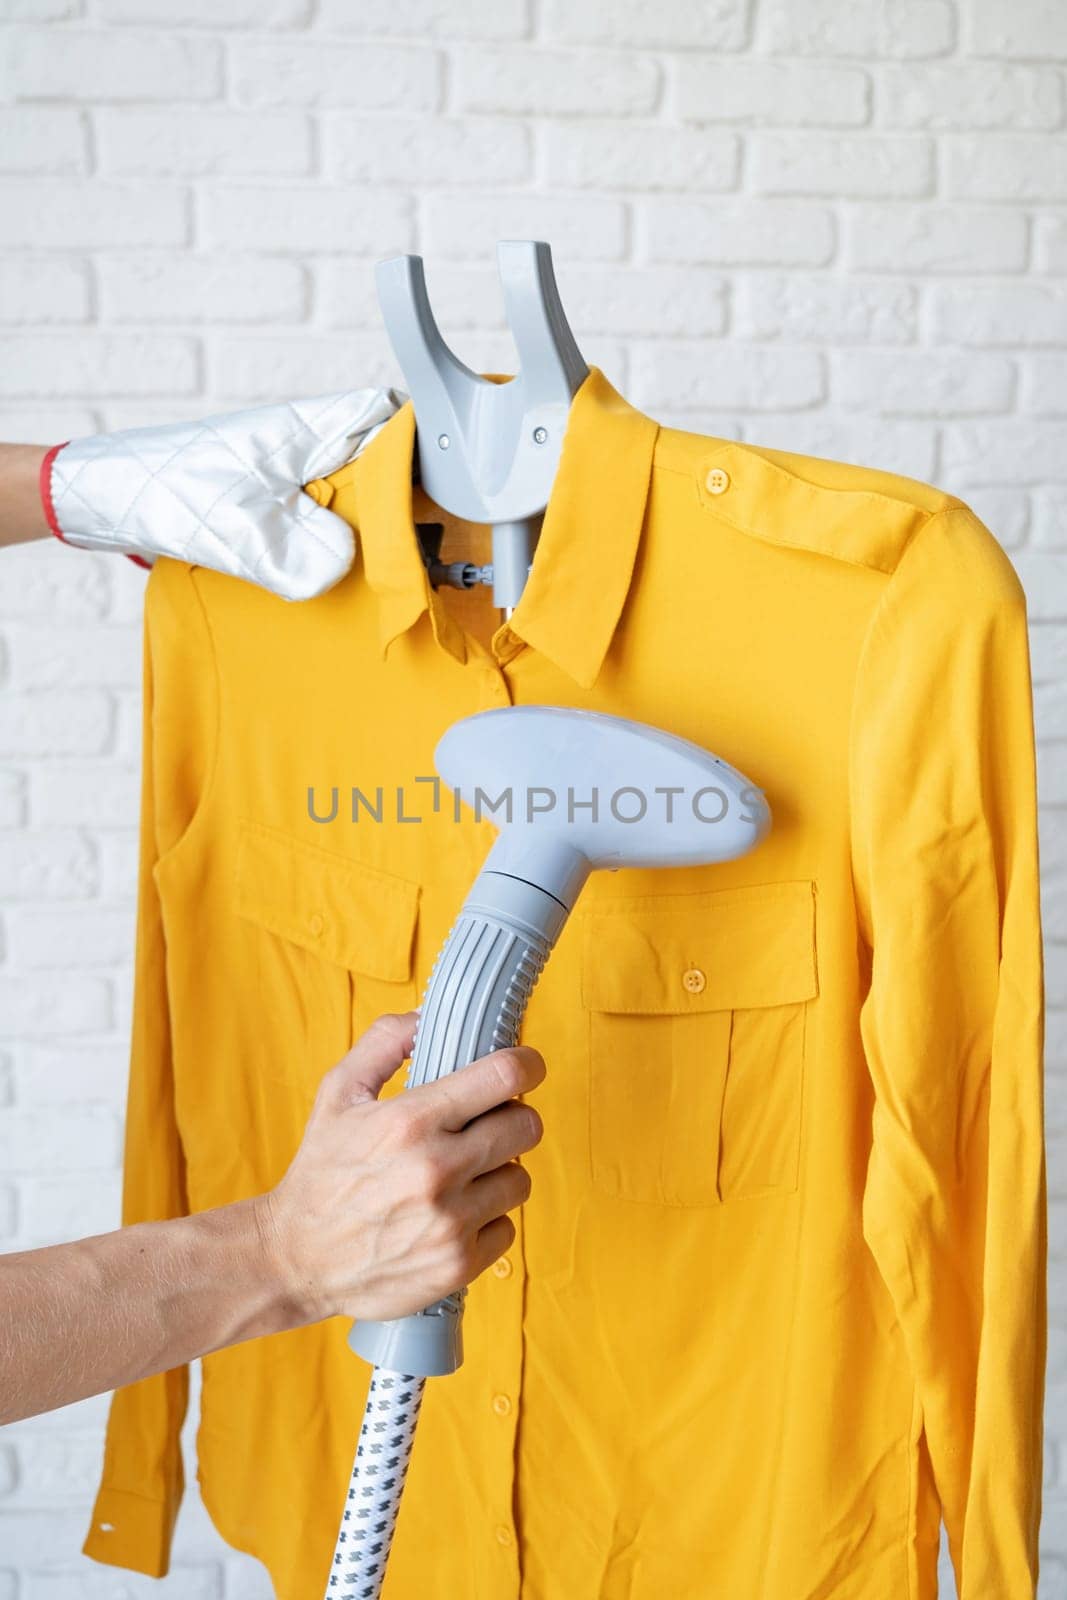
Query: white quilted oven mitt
<point x="225" y="492"/>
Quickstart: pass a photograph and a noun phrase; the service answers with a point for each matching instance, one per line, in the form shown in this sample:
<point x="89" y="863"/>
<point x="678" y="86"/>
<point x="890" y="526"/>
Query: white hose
<point x="377" y="1482"/>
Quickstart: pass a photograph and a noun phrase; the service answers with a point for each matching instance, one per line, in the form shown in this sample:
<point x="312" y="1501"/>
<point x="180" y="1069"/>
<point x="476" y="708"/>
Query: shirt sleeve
<point x="945" y="860"/>
<point x="143" y="1480"/>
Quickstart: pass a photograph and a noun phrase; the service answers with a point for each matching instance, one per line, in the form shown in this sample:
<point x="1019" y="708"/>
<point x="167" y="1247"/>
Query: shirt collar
<point x="585" y="555"/>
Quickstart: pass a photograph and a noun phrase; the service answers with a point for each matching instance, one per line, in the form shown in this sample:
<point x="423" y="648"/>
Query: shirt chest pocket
<point x="697" y="1010"/>
<point x="329" y="947"/>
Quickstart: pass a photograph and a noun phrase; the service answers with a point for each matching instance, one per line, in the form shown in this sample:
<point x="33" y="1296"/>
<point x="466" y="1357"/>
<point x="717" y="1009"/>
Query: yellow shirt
<point x="778" y="1296"/>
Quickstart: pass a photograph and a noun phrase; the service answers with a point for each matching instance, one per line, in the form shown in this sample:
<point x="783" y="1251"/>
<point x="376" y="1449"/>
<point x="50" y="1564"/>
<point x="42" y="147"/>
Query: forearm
<point x="80" y="1318"/>
<point x="21" y="513"/>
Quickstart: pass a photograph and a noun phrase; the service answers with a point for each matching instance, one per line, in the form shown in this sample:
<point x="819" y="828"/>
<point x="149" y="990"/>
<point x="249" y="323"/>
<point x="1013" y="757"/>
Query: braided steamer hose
<point x="482" y="979"/>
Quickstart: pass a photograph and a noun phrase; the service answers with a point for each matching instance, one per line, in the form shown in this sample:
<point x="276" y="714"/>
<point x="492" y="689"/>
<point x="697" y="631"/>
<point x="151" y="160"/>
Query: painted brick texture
<point x="835" y="228"/>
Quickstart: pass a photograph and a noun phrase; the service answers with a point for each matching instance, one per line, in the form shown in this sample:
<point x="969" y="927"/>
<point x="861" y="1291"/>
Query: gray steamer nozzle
<point x="481" y="982"/>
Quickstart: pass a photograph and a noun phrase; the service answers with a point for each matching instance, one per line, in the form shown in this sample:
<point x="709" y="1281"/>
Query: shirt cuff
<point x="130" y="1531"/>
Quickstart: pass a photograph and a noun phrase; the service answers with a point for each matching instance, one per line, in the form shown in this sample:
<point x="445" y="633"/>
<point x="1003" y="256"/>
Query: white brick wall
<point x="826" y="226"/>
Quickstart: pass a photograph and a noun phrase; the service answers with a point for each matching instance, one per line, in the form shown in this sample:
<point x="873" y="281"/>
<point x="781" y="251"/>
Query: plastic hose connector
<point x="474" y="1003"/>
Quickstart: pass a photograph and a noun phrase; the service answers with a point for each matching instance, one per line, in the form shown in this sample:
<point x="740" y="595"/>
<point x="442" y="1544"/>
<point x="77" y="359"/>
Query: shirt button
<point x="694" y="980"/>
<point x="501" y="1405"/>
<point x="316" y="924"/>
<point x="502" y="1267"/>
<point x="503" y="1535"/>
<point x="717" y="481"/>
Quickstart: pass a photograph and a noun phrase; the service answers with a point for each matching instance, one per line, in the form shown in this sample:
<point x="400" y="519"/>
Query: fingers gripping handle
<point x="474" y="1003"/>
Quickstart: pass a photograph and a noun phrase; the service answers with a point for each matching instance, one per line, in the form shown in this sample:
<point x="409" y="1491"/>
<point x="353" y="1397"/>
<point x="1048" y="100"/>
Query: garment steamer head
<point x="576" y="790"/>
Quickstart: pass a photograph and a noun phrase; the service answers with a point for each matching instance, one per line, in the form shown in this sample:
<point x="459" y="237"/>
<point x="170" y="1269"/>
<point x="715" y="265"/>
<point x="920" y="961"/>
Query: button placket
<point x="504" y="1300"/>
<point x="493" y="686"/>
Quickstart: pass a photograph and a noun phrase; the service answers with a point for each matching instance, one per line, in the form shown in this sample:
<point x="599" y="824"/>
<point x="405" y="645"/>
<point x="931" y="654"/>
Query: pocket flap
<point x="348" y="912"/>
<point x="720" y="950"/>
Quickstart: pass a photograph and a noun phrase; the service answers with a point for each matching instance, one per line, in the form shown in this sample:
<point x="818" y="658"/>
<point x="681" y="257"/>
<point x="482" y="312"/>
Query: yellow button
<point x="503" y="1535"/>
<point x="501" y="1405"/>
<point x="502" y="1267"/>
<point x="316" y="924"/>
<point x="717" y="481"/>
<point x="694" y="980"/>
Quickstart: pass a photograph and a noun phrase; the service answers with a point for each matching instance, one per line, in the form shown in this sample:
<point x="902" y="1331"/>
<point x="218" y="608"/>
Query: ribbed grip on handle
<point x="475" y="1000"/>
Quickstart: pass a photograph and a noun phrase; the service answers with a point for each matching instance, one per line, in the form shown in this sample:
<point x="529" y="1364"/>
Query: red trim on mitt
<point x="45" y="482"/>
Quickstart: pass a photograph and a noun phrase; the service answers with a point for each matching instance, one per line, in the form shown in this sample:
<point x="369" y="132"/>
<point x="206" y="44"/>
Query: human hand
<point x="389" y="1205"/>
